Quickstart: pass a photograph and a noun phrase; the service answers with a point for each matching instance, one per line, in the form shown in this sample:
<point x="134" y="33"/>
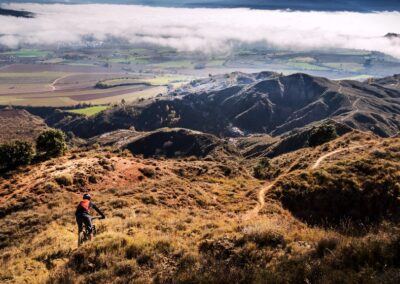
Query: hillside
<point x="240" y="104"/>
<point x="19" y="124"/>
<point x="256" y="197"/>
<point x="207" y="220"/>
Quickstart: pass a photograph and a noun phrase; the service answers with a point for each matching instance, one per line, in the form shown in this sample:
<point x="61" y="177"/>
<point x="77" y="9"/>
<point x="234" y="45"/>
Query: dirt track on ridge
<point x="261" y="194"/>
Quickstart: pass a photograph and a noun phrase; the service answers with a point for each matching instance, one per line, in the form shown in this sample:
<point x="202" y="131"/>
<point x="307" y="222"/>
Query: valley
<point x="68" y="76"/>
<point x="199" y="142"/>
<point x="183" y="204"/>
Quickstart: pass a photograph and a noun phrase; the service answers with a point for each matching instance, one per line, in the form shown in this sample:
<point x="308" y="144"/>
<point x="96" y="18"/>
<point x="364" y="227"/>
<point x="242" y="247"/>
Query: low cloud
<point x="205" y="30"/>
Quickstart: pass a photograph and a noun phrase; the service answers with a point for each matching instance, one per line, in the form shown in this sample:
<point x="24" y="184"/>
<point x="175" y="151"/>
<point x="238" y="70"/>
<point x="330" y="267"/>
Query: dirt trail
<point x="320" y="159"/>
<point x="53" y="85"/>
<point x="354" y="106"/>
<point x="261" y="194"/>
<point x="354" y="111"/>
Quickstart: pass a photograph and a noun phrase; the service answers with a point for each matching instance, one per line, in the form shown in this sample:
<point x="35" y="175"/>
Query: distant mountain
<point x="300" y="5"/>
<point x="392" y="35"/>
<point x="15" y="13"/>
<point x="240" y="104"/>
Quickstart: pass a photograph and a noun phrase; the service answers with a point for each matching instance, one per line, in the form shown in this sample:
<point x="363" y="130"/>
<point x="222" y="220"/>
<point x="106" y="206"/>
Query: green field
<point x="156" y="81"/>
<point x="50" y="74"/>
<point x="307" y="66"/>
<point x="350" y="66"/>
<point x="89" y="111"/>
<point x="27" y="53"/>
<point x="357" y="77"/>
<point x="129" y="60"/>
<point x="176" y="64"/>
<point x="215" y="63"/>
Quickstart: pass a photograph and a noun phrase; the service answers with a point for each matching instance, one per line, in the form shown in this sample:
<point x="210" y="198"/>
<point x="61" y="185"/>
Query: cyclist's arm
<point x="98" y="210"/>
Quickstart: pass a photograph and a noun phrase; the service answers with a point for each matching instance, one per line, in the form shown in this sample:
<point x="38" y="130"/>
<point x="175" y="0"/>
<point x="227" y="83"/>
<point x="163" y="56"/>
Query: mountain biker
<point x="82" y="214"/>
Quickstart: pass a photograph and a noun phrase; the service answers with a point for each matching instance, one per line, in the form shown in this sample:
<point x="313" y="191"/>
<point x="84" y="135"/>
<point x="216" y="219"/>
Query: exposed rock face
<point x="240" y="104"/>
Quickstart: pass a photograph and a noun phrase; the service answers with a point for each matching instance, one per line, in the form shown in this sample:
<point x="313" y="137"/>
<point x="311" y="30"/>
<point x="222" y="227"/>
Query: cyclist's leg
<point x="79" y="221"/>
<point x="88" y="223"/>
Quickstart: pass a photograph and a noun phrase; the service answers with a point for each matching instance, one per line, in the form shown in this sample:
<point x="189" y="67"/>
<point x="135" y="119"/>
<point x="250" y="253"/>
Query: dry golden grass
<point x="183" y="223"/>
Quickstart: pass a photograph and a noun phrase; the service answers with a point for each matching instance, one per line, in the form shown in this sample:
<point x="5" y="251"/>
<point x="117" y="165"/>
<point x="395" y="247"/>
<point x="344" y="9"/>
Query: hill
<point x="19" y="124"/>
<point x="193" y="220"/>
<point x="246" y="201"/>
<point x="240" y="104"/>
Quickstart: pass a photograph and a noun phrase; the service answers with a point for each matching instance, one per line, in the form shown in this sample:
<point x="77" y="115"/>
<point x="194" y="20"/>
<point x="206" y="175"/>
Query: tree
<point x="322" y="134"/>
<point x="51" y="143"/>
<point x="14" y="154"/>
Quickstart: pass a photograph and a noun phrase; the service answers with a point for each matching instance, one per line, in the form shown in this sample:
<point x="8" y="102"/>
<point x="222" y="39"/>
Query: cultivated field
<point x="55" y="88"/>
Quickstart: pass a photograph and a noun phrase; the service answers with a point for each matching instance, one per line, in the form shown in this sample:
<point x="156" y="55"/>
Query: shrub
<point x="65" y="180"/>
<point x="14" y="154"/>
<point x="322" y="134"/>
<point x="92" y="179"/>
<point x="326" y="245"/>
<point x="263" y="237"/>
<point x="50" y="187"/>
<point x="51" y="143"/>
<point x="260" y="171"/>
<point x="148" y="172"/>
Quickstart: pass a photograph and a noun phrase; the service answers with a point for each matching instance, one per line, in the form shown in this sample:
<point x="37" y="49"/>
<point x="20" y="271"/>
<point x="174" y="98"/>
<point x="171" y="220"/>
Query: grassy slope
<point x="184" y="223"/>
<point x="89" y="111"/>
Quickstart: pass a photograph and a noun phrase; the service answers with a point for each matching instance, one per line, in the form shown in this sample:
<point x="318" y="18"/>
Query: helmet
<point x="87" y="196"/>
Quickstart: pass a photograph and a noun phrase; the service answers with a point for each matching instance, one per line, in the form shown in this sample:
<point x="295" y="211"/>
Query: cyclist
<point x="82" y="214"/>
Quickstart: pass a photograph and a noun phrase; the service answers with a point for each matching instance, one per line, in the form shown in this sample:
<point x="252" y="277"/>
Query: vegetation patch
<point x="89" y="111"/>
<point x="361" y="191"/>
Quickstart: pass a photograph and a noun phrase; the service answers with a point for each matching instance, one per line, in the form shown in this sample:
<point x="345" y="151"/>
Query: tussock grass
<point x="188" y="228"/>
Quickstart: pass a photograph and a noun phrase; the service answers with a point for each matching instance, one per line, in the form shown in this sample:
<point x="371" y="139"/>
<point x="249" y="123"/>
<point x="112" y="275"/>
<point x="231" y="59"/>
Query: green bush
<point x="260" y="171"/>
<point x="14" y="154"/>
<point x="51" y="143"/>
<point x="322" y="134"/>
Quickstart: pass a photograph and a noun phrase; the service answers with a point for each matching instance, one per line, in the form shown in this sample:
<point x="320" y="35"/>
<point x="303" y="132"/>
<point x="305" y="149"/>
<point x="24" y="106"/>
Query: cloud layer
<point x="205" y="30"/>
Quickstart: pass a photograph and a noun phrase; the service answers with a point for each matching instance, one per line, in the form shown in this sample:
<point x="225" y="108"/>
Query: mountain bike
<point x="85" y="234"/>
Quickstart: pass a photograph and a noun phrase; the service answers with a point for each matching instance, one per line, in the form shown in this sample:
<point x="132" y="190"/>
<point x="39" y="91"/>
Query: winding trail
<point x="354" y="106"/>
<point x="320" y="159"/>
<point x="53" y="85"/>
<point x="261" y="194"/>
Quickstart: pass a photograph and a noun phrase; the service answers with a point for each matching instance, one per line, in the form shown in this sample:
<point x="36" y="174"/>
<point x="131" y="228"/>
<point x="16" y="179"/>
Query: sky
<point x="201" y="29"/>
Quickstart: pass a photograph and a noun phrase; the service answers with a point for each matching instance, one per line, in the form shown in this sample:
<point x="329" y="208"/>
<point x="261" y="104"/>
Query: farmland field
<point x="104" y="75"/>
<point x="26" y="53"/>
<point x="49" y="88"/>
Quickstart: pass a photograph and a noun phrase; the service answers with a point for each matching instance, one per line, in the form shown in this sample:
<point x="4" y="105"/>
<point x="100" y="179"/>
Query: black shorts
<point x="84" y="219"/>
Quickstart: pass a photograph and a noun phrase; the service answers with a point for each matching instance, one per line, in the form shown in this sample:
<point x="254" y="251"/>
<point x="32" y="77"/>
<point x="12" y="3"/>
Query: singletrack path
<point x="261" y="194"/>
<point x="53" y="85"/>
